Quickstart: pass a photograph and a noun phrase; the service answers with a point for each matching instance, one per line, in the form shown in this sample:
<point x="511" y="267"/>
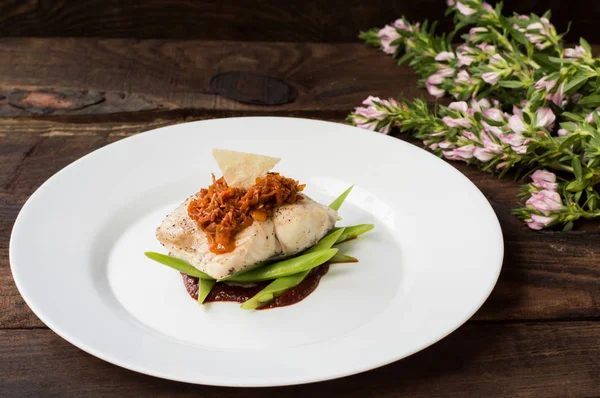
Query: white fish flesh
<point x="292" y="229"/>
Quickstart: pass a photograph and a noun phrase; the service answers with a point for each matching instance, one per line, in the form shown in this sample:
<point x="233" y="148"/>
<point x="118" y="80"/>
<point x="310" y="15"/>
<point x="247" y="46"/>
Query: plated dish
<point x="430" y="262"/>
<point x="252" y="236"/>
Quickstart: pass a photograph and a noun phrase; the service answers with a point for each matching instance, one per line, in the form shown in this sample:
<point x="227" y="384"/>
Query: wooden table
<point x="537" y="335"/>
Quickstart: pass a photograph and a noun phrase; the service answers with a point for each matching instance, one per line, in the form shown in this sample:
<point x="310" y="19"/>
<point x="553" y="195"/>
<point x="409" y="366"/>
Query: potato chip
<point x="241" y="169"/>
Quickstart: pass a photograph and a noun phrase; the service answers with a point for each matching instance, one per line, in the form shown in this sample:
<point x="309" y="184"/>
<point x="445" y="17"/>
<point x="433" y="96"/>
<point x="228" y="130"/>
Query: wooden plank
<point x="267" y="20"/>
<point x="94" y="76"/>
<point x="546" y="275"/>
<point x="531" y="360"/>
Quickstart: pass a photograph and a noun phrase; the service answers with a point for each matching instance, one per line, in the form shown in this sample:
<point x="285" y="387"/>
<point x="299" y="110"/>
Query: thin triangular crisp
<point x="240" y="169"/>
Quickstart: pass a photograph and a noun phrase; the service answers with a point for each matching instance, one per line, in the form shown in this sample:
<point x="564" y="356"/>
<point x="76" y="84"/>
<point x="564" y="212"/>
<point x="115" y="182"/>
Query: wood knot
<point x="250" y="88"/>
<point x="43" y="102"/>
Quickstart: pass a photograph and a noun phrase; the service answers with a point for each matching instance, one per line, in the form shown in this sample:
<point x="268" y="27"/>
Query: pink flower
<point x="435" y="90"/>
<point x="480" y="105"/>
<point x="538" y="222"/>
<point x="545" y="180"/>
<point x="536" y="26"/>
<point x="474" y="31"/>
<point x="577" y="52"/>
<point x="544" y="117"/>
<point x="386" y="129"/>
<point x="446" y="72"/>
<point x="545" y="201"/>
<point x="445" y="144"/>
<point x="459" y="106"/>
<point x="488" y="7"/>
<point x="444" y="56"/>
<point x="370" y="101"/>
<point x="387" y="35"/>
<point x="470" y="135"/>
<point x="562" y="132"/>
<point x="590" y="116"/>
<point x="492" y="129"/>
<point x="491" y="77"/>
<point x="464" y="60"/>
<point x="494" y="114"/>
<point x="435" y="79"/>
<point x="559" y="96"/>
<point x="545" y="83"/>
<point x="516" y="124"/>
<point x="543" y="175"/>
<point x="365" y="124"/>
<point x="371" y="113"/>
<point x="463" y="77"/>
<point x="464" y="10"/>
<point x="486" y="48"/>
<point x="462" y="153"/>
<point x="497" y="60"/>
<point x="461" y="122"/>
<point x="450" y="2"/>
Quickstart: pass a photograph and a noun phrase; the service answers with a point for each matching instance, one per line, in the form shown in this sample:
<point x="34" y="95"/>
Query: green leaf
<point x="572" y="116"/>
<point x="592" y="203"/>
<point x="577" y="169"/>
<point x="569" y="126"/>
<point x="575" y="186"/>
<point x="590" y="100"/>
<point x="569" y="140"/>
<point x="510" y="84"/>
<point x="583" y="42"/>
<point x="179" y="265"/>
<point x="577" y="81"/>
<point x="568" y="226"/>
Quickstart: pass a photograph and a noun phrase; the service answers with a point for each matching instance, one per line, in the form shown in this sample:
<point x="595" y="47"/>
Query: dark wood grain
<point x="265" y="20"/>
<point x="159" y="75"/>
<point x="545" y="276"/>
<point x="526" y="360"/>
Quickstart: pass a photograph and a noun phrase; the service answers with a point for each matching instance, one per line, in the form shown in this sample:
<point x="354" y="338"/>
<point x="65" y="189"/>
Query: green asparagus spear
<point x="204" y="288"/>
<point x="335" y="205"/>
<point x="286" y="267"/>
<point x="354" y="231"/>
<point x="178" y="264"/>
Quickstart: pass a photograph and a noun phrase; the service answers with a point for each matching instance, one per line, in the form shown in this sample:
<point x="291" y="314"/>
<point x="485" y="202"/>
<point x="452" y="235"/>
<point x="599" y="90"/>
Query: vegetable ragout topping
<point x="222" y="211"/>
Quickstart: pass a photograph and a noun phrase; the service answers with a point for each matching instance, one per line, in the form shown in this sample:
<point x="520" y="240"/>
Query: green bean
<point x="204" y="288"/>
<point x="178" y="264"/>
<point x="280" y="285"/>
<point x="328" y="241"/>
<point x="354" y="231"/>
<point x="342" y="258"/>
<point x="337" y="203"/>
<point x="286" y="267"/>
<point x="274" y="289"/>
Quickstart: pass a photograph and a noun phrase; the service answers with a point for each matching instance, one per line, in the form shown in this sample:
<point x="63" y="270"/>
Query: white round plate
<point x="433" y="258"/>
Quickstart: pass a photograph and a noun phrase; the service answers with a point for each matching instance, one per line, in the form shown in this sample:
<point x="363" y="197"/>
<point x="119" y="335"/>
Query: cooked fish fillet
<point x="292" y="228"/>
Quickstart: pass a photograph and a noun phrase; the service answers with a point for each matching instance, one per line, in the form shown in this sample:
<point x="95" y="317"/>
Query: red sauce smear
<point x="224" y="292"/>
